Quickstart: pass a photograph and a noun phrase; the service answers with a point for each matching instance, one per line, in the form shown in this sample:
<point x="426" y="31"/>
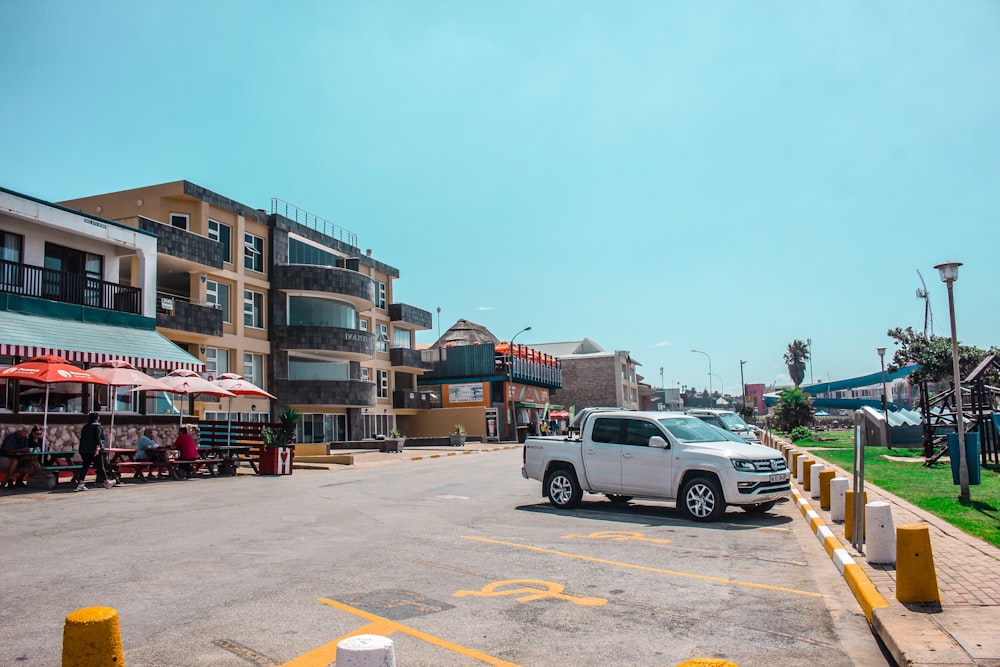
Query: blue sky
<point x="656" y="176"/>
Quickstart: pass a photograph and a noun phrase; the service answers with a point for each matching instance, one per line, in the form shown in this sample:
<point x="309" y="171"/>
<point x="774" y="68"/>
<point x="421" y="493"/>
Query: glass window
<point x="216" y="361"/>
<point x="639" y="432"/>
<point x="253" y="368"/>
<point x="223" y="234"/>
<point x="691" y="429"/>
<point x="11" y="246"/>
<point x="363" y="325"/>
<point x="383" y="384"/>
<point x="381" y="337"/>
<point x="304" y="253"/>
<point x="310" y="369"/>
<point x="317" y="312"/>
<point x="380" y="295"/>
<point x="179" y="220"/>
<point x="401" y="338"/>
<point x="253" y="253"/>
<point x="366" y="375"/>
<point x="606" y="430"/>
<point x="253" y="309"/>
<point x="322" y="428"/>
<point x="217" y="294"/>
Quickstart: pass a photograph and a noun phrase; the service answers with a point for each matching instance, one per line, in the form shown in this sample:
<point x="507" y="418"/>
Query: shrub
<point x="800" y="433"/>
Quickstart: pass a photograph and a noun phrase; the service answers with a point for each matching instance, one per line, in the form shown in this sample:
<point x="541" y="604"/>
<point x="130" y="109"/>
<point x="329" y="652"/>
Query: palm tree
<point x="795" y="359"/>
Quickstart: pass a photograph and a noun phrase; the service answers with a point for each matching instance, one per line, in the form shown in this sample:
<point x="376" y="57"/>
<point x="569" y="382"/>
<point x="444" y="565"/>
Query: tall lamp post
<point x="709" y="370"/>
<point x="511" y="427"/>
<point x="949" y="274"/>
<point x="743" y="388"/>
<point x="885" y="392"/>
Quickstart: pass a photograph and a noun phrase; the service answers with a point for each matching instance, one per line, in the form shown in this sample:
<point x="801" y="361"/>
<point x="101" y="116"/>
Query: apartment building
<point x="592" y="377"/>
<point x="282" y="297"/>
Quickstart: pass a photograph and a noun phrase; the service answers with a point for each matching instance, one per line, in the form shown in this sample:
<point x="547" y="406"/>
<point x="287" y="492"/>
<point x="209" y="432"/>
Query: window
<point x="383" y="384"/>
<point x="11" y="247"/>
<point x="253" y="309"/>
<point x="378" y="424"/>
<point x="381" y="337"/>
<point x="363" y="325"/>
<point x="607" y="430"/>
<point x="253" y="368"/>
<point x="315" y="312"/>
<point x="380" y="295"/>
<point x="253" y="253"/>
<point x="72" y="276"/>
<point x="216" y="361"/>
<point x="401" y="338"/>
<point x="320" y="427"/>
<point x="223" y="234"/>
<point x="366" y="375"/>
<point x="300" y="368"/>
<point x="217" y="294"/>
<point x="179" y="220"/>
<point x="638" y="432"/>
<point x="304" y="253"/>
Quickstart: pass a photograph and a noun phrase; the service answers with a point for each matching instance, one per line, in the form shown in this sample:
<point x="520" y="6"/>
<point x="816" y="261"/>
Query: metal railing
<point x="65" y="287"/>
<point x="293" y="212"/>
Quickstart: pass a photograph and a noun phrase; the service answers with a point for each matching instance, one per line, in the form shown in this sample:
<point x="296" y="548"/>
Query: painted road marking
<point x="644" y="568"/>
<point x="616" y="536"/>
<point x="547" y="589"/>
<point x="247" y="654"/>
<point x="324" y="655"/>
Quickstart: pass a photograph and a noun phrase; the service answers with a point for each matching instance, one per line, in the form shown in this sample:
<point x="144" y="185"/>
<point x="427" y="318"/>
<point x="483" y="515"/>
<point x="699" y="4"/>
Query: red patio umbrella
<point x="187" y="383"/>
<point x="49" y="369"/>
<point x="120" y="373"/>
<point x="239" y="386"/>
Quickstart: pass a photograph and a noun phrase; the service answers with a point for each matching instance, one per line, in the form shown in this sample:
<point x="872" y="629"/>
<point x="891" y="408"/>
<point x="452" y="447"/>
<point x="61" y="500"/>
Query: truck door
<point x="646" y="471"/>
<point x="602" y="455"/>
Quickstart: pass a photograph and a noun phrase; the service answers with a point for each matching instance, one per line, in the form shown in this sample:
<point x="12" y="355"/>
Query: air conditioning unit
<point x="166" y="305"/>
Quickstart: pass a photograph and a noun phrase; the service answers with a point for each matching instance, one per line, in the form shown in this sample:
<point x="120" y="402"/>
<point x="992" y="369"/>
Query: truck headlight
<point x="744" y="466"/>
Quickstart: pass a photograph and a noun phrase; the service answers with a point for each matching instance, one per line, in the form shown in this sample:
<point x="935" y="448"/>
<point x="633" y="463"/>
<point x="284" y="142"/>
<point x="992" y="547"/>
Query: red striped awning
<point x="80" y="357"/>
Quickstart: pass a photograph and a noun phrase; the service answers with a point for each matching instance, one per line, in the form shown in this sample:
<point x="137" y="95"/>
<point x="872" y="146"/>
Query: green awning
<point x="24" y="335"/>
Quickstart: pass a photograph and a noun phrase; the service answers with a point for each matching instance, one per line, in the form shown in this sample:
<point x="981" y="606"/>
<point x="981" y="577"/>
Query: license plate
<point x="780" y="478"/>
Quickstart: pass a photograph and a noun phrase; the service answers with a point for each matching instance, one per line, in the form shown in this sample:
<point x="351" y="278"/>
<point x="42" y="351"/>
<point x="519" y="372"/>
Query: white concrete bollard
<point x="814" y="472"/>
<point x="366" y="651"/>
<point x="838" y="493"/>
<point x="880" y="534"/>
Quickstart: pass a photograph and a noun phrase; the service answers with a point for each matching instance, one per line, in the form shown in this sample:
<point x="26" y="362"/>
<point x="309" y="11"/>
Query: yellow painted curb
<point x="91" y="638"/>
<point x="864" y="590"/>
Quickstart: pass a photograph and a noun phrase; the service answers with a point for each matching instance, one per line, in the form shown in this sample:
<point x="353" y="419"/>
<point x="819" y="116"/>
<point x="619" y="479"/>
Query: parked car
<point x="728" y="420"/>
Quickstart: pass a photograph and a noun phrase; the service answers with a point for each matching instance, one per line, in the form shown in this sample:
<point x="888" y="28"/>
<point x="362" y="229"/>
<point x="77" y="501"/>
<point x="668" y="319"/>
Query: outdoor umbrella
<point x="120" y="373"/>
<point x="239" y="386"/>
<point x="48" y="370"/>
<point x="187" y="383"/>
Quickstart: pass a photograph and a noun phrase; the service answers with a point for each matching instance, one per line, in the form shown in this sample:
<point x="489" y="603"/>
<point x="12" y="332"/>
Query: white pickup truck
<point x="657" y="455"/>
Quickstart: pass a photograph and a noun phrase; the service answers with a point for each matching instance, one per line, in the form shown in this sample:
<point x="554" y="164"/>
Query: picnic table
<point x="231" y="456"/>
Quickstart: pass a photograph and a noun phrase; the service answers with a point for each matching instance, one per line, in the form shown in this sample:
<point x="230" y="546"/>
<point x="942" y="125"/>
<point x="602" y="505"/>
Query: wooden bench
<point x="137" y="468"/>
<point x="196" y="465"/>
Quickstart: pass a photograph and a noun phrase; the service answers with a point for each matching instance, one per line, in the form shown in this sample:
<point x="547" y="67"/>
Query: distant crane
<point x="928" y="315"/>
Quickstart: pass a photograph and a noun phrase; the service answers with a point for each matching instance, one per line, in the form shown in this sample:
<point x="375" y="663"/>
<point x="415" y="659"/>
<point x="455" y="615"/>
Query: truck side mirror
<point x="658" y="442"/>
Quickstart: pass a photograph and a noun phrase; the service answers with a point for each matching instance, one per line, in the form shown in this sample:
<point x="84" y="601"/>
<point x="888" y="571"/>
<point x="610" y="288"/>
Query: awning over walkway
<point x="24" y="335"/>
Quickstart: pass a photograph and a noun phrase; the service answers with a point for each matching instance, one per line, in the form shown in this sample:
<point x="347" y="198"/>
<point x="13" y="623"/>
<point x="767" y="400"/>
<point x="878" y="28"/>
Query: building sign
<point x="523" y="393"/>
<point x="466" y="393"/>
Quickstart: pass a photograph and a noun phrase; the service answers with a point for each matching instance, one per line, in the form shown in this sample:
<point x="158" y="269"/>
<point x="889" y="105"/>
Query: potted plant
<point x="458" y="436"/>
<point x="279" y="444"/>
<point x="393" y="443"/>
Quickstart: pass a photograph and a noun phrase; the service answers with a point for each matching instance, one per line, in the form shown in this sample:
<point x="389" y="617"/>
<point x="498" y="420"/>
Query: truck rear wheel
<point x="702" y="500"/>
<point x="563" y="489"/>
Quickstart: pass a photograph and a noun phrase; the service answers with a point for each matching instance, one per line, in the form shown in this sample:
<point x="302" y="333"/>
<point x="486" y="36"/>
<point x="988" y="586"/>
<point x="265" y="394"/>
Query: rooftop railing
<point x="292" y="212"/>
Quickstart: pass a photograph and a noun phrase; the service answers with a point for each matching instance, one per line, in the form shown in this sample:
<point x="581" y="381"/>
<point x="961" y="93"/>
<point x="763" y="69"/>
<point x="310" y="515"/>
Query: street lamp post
<point x="949" y="274"/>
<point x="743" y="387"/>
<point x="511" y="427"/>
<point x="709" y="370"/>
<point x="885" y="392"/>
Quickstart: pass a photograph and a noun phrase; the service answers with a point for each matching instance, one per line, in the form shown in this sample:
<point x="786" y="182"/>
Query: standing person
<point x="16" y="442"/>
<point x="92" y="453"/>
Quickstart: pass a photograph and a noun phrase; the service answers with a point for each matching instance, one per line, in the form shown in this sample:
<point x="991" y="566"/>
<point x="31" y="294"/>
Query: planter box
<point x="276" y="460"/>
<point x="457" y="440"/>
<point x="391" y="445"/>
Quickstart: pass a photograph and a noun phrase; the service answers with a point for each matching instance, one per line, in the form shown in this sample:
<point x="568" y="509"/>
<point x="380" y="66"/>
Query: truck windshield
<point x="733" y="422"/>
<point x="691" y="429"/>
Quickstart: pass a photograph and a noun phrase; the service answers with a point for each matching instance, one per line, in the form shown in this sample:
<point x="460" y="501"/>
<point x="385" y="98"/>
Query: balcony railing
<point x="404" y="399"/>
<point x="65" y="287"/>
<point x="293" y="212"/>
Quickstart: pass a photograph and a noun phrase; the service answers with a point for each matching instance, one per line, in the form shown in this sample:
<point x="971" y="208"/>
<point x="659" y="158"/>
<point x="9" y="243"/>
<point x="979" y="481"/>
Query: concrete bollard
<point x="793" y="459"/>
<point x="838" y="494"/>
<point x="916" y="579"/>
<point x="880" y="534"/>
<point x="91" y="638"/>
<point x="814" y="472"/>
<point x="366" y="651"/>
<point x="825" y="476"/>
<point x="849" y="516"/>
<point x="803" y="477"/>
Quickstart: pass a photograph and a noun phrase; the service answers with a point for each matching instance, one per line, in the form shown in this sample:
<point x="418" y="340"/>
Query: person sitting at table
<point x="187" y="449"/>
<point x="145" y="442"/>
<point x="16" y="442"/>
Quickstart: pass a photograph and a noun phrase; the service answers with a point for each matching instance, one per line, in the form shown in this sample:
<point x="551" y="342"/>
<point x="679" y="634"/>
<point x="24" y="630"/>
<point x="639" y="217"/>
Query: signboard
<point x="492" y="425"/>
<point x="465" y="394"/>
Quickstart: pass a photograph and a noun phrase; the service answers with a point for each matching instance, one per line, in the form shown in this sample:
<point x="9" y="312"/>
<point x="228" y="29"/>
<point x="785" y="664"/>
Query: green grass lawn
<point x="928" y="488"/>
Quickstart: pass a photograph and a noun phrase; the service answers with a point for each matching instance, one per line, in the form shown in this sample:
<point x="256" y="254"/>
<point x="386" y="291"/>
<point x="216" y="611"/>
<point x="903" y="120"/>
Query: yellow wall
<point x="441" y="422"/>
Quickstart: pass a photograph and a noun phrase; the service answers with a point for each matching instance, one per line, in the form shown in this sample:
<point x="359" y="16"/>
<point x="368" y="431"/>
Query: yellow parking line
<point x="645" y="568"/>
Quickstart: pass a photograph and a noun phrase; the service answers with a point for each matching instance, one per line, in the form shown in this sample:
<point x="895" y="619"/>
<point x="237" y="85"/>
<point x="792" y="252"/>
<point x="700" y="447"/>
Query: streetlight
<point x="439" y="322"/>
<point x="709" y="370"/>
<point x="743" y="387"/>
<point x="511" y="431"/>
<point x="661" y="377"/>
<point x="885" y="393"/>
<point x="809" y="346"/>
<point x="949" y="274"/>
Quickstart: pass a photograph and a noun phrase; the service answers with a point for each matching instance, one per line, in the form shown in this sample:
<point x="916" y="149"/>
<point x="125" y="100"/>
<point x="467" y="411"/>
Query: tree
<point x="793" y="409"/>
<point x="932" y="354"/>
<point x="795" y="359"/>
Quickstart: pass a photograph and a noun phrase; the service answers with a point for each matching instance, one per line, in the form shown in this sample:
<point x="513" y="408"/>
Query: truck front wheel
<point x="702" y="500"/>
<point x="563" y="489"/>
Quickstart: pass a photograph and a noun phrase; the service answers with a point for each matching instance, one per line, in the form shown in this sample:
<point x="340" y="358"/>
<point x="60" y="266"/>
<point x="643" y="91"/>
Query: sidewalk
<point x="964" y="629"/>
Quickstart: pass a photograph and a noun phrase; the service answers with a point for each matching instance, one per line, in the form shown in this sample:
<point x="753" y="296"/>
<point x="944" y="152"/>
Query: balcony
<point x="332" y="342"/>
<point x="349" y="393"/>
<point x="404" y="358"/>
<point x="412" y="399"/>
<point x="415" y="318"/>
<point x="180" y="314"/>
<point x="347" y="285"/>
<point x="71" y="288"/>
<point x="181" y="243"/>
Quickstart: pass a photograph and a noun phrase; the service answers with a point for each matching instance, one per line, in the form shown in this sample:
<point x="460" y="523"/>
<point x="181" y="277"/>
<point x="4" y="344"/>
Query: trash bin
<point x="971" y="456"/>
<point x="522" y="433"/>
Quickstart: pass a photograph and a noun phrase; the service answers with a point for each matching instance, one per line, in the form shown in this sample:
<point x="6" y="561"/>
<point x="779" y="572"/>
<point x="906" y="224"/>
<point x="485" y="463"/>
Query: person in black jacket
<point x="91" y="451"/>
